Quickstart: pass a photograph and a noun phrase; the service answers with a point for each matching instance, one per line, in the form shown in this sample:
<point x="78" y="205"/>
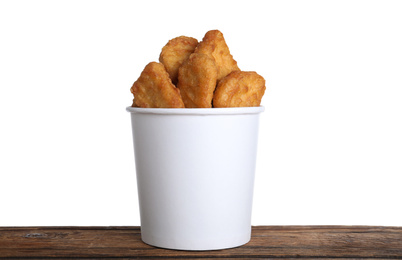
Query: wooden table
<point x="266" y="242"/>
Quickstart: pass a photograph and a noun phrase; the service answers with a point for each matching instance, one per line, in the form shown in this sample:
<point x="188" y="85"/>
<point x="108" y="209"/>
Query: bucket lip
<point x="197" y="111"/>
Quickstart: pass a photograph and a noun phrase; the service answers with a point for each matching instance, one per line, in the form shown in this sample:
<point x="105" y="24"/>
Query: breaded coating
<point x="214" y="44"/>
<point x="155" y="89"/>
<point x="240" y="89"/>
<point x="197" y="81"/>
<point x="134" y="104"/>
<point x="175" y="52"/>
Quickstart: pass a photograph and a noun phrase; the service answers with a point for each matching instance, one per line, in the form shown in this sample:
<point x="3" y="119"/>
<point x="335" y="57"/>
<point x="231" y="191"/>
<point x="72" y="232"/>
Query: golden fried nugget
<point x="155" y="89"/>
<point x="197" y="81"/>
<point x="240" y="89"/>
<point x="134" y="104"/>
<point x="213" y="44"/>
<point x="175" y="52"/>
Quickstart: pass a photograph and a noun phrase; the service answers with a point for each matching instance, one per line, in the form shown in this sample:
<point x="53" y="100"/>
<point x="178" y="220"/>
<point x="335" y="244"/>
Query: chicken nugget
<point x="214" y="44"/>
<point x="134" y="104"/>
<point x="155" y="89"/>
<point x="175" y="52"/>
<point x="239" y="89"/>
<point x="197" y="81"/>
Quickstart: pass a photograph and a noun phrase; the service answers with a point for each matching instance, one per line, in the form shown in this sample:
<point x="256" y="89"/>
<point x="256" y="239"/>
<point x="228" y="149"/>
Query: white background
<point x="330" y="149"/>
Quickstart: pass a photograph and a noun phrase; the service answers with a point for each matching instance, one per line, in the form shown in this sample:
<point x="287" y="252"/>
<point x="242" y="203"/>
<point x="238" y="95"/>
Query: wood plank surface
<point x="266" y="242"/>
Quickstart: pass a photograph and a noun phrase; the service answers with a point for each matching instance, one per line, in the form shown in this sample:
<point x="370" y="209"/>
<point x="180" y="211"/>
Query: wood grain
<point x="267" y="242"/>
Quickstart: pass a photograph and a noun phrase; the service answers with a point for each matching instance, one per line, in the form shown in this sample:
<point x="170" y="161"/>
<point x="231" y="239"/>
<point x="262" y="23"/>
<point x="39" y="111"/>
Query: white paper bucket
<point x="195" y="175"/>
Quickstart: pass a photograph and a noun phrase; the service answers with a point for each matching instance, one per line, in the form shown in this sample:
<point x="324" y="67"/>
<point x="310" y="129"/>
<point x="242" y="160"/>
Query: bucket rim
<point x="197" y="111"/>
